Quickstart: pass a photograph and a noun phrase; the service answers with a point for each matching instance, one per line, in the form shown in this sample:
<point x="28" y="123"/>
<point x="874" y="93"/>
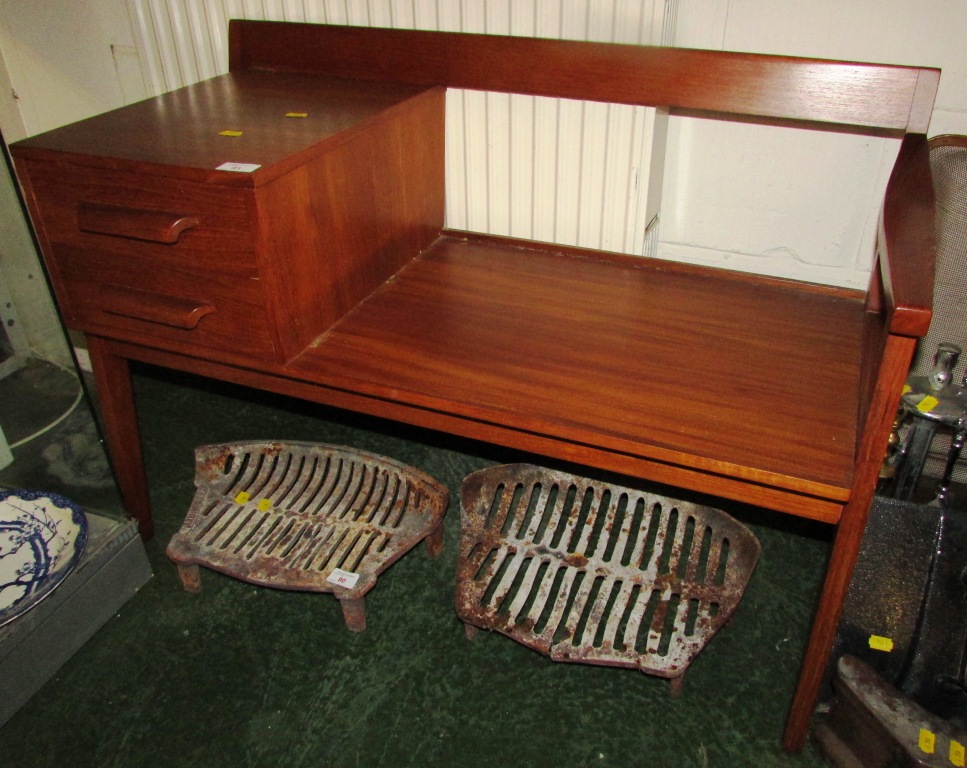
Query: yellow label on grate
<point x="243" y="497"/>
<point x="265" y="505"/>
<point x="927" y="740"/>
<point x="927" y="404"/>
<point x="229" y="133"/>
<point x="878" y="643"/>
<point x="957" y="753"/>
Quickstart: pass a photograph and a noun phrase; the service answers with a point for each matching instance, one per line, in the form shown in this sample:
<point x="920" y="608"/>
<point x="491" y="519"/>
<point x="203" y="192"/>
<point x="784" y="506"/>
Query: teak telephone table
<point x="323" y="271"/>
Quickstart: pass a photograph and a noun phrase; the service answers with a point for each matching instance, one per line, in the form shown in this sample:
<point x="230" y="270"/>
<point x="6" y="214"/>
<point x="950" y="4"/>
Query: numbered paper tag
<point x="341" y="578"/>
<point x="239" y="167"/>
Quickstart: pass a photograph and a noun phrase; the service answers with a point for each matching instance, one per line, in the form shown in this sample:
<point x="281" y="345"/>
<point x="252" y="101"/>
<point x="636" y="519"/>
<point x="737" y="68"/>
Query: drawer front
<point x="168" y="221"/>
<point x="143" y="301"/>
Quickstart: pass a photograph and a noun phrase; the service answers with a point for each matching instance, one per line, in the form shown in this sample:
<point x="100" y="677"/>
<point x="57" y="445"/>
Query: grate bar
<point x="538" y="504"/>
<point x="526" y="573"/>
<point x="618" y="616"/>
<point x="569" y="622"/>
<point x="505" y="578"/>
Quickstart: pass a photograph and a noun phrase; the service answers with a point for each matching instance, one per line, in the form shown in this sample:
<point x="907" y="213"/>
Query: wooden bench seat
<point x="686" y="367"/>
<point x="315" y="264"/>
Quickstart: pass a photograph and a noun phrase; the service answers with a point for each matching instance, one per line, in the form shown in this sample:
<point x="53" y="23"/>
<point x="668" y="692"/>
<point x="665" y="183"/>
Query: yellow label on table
<point x="957" y="753"/>
<point x="878" y="643"/>
<point x="265" y="505"/>
<point x="927" y="741"/>
<point x="927" y="404"/>
<point x="229" y="133"/>
<point x="243" y="497"/>
<point x="297" y="114"/>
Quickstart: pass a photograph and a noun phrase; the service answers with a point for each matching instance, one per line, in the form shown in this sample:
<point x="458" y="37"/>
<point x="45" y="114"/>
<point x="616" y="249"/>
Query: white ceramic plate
<point x="42" y="536"/>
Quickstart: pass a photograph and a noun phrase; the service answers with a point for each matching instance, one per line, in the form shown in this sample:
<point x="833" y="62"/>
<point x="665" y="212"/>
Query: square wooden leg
<point x="112" y="378"/>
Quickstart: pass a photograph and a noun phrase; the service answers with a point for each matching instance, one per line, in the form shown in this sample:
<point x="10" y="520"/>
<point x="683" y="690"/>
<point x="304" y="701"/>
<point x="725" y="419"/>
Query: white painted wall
<point x="805" y="204"/>
<point x="57" y="65"/>
<point x="65" y="60"/>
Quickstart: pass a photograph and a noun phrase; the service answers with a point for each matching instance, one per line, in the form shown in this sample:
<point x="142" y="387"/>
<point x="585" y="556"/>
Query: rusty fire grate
<point x="588" y="572"/>
<point x="305" y="516"/>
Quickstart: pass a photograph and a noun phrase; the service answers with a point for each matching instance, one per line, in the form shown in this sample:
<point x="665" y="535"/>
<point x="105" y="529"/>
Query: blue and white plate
<point x="42" y="536"/>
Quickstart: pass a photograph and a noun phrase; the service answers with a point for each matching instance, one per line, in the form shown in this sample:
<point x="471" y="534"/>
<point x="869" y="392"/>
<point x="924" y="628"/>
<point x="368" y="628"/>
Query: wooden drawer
<point x="140" y="299"/>
<point x="170" y="221"/>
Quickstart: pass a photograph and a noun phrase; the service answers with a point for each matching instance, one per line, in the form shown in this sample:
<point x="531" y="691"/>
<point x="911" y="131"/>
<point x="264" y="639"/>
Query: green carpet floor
<point x="246" y="676"/>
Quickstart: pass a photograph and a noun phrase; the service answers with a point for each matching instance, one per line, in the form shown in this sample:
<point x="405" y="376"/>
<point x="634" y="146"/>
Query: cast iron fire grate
<point x="597" y="573"/>
<point x="306" y="516"/>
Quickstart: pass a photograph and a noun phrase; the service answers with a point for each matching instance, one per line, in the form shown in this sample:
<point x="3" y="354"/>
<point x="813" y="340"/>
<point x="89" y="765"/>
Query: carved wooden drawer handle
<point x="135" y="223"/>
<point x="159" y="308"/>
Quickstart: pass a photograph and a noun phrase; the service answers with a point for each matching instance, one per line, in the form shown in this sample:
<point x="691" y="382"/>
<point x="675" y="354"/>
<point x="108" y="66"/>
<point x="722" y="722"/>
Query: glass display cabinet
<point x="70" y="555"/>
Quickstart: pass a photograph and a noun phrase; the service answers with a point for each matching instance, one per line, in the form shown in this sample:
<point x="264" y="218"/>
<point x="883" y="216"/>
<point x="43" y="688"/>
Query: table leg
<point x="112" y="378"/>
<point x="849" y="537"/>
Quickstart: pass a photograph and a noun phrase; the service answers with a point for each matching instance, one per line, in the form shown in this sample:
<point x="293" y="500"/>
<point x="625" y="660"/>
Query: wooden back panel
<point x="871" y="98"/>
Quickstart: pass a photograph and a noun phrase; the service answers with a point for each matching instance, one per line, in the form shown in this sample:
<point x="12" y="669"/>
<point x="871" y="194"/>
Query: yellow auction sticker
<point x="956" y="753"/>
<point x="242" y="497"/>
<point x="229" y="133"/>
<point x="878" y="643"/>
<point x="927" y="741"/>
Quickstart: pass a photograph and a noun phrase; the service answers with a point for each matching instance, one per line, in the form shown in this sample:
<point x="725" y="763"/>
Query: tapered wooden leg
<point x="112" y="377"/>
<point x="190" y="576"/>
<point x="434" y="542"/>
<point x="354" y="612"/>
<point x="849" y="537"/>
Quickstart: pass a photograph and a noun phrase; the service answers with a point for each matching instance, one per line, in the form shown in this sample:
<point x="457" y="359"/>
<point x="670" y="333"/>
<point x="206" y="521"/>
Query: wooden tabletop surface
<point x="268" y="119"/>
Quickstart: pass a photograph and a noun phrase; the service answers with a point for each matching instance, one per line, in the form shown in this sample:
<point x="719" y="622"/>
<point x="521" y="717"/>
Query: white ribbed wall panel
<point x="569" y="172"/>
